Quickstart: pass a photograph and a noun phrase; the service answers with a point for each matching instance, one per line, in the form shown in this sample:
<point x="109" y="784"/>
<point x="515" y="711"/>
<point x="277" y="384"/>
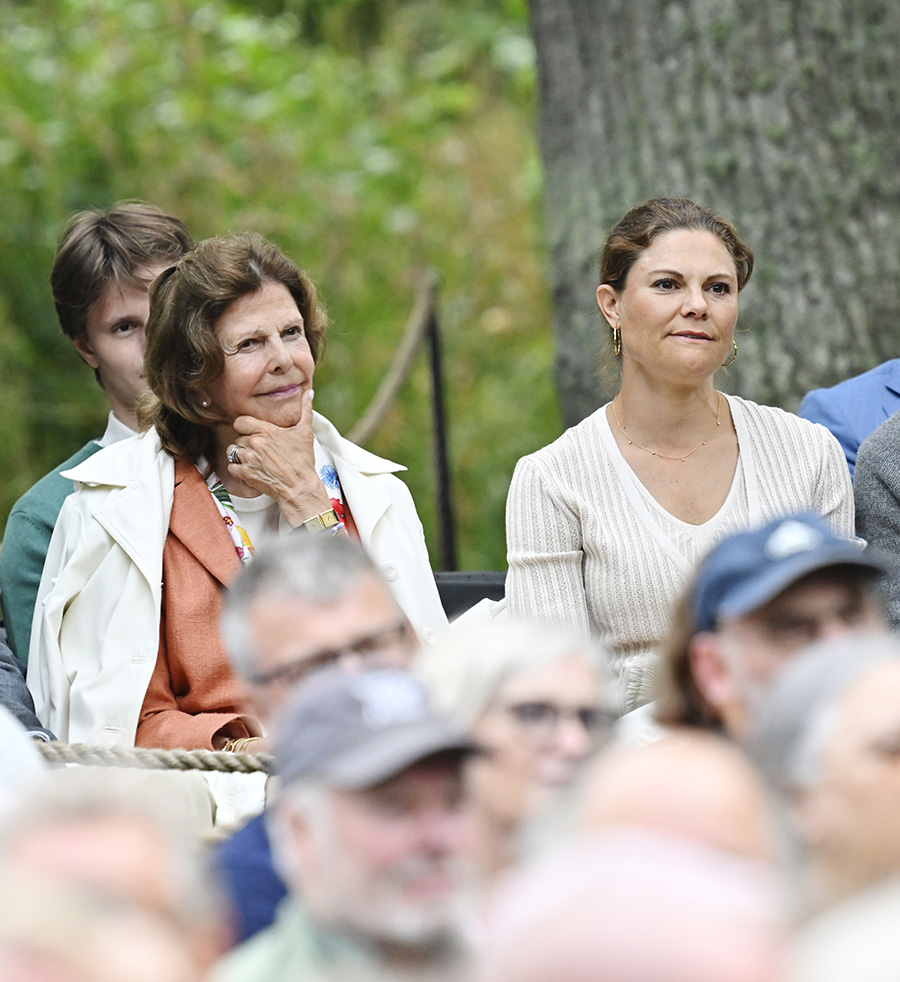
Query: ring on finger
<point x="234" y="454"/>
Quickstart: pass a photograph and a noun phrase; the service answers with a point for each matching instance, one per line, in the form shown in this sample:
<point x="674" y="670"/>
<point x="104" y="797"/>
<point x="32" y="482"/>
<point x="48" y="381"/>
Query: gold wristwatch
<point x="322" y="522"/>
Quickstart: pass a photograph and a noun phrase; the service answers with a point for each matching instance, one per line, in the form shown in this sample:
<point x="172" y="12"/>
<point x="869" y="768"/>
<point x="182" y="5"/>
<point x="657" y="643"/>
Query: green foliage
<point x="369" y="139"/>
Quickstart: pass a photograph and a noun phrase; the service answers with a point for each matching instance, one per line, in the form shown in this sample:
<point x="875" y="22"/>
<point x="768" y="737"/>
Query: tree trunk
<point x="782" y="115"/>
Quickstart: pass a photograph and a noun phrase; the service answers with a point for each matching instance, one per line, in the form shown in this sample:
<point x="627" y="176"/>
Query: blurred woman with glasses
<point x="537" y="700"/>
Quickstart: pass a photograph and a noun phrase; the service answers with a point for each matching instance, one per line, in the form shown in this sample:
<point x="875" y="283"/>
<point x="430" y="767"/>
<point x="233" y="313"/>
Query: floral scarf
<point x="239" y="537"/>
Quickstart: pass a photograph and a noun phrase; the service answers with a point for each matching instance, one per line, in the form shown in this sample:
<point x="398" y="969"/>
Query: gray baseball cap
<point x="353" y="730"/>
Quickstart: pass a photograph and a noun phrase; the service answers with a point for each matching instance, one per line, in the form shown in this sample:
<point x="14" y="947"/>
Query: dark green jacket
<point x="25" y="542"/>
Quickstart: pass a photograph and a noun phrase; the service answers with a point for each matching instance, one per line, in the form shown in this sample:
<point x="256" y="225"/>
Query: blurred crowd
<point x="481" y="808"/>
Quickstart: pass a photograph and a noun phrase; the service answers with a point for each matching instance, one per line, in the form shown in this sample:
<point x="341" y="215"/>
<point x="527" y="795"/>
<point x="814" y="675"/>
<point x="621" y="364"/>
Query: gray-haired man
<point x="371" y="833"/>
<point x="302" y="603"/>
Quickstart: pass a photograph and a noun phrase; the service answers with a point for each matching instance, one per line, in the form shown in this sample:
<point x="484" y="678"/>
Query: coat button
<point x="428" y="636"/>
<point x="390" y="572"/>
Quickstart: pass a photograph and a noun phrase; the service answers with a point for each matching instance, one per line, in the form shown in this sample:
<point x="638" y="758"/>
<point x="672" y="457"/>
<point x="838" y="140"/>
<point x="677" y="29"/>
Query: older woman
<point x="126" y="648"/>
<point x="605" y="524"/>
<point x="536" y="699"/>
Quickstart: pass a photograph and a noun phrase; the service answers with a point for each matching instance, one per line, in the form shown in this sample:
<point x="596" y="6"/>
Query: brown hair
<point x="678" y="700"/>
<point x="99" y="247"/>
<point x="184" y="355"/>
<point x="647" y="221"/>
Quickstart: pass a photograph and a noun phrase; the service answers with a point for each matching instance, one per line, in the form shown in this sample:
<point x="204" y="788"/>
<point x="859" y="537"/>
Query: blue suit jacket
<point x="245" y="868"/>
<point x="854" y="408"/>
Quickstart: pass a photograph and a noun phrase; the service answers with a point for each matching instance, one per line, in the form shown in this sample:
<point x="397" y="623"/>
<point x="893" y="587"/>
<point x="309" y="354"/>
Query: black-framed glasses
<point x="363" y="647"/>
<point x="542" y="719"/>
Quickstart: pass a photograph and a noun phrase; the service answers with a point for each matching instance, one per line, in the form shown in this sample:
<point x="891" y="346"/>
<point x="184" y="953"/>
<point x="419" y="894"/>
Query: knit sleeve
<point x="834" y="489"/>
<point x="799" y="466"/>
<point x="545" y="555"/>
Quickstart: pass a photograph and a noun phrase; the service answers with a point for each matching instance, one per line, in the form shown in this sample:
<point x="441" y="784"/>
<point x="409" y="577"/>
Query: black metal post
<point x="443" y="493"/>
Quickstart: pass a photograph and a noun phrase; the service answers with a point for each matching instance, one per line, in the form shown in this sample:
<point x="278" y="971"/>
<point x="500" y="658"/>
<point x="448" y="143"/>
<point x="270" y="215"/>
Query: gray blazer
<point x="14" y="694"/>
<point x="876" y="489"/>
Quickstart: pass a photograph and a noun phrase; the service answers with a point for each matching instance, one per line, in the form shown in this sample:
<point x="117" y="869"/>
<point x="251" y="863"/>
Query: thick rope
<point x="413" y="335"/>
<point x="180" y="760"/>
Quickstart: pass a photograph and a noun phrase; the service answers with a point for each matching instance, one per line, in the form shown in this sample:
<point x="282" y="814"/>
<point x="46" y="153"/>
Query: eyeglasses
<point x="542" y="719"/>
<point x="367" y="646"/>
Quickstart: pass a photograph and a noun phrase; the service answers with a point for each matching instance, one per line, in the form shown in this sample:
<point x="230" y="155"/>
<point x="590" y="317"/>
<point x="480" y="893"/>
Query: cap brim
<point x="789" y="571"/>
<point x="384" y="756"/>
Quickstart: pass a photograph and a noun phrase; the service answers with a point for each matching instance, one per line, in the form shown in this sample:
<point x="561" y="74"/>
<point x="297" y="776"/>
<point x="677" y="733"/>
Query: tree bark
<point x="782" y="115"/>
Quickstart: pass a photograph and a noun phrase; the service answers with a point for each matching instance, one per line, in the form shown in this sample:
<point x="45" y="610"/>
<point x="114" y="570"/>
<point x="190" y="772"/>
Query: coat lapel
<point x="355" y="469"/>
<point x="196" y="523"/>
<point x="366" y="501"/>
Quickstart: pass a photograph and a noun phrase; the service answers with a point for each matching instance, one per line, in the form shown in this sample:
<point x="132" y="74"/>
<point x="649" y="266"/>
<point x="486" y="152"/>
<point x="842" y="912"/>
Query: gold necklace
<point x="665" y="456"/>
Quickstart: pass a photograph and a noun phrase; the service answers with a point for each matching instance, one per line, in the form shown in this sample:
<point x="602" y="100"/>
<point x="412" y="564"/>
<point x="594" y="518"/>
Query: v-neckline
<point x="629" y="477"/>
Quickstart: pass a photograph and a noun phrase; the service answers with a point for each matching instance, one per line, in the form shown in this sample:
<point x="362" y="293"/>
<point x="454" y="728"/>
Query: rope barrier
<point x="154" y="758"/>
<point x="413" y="335"/>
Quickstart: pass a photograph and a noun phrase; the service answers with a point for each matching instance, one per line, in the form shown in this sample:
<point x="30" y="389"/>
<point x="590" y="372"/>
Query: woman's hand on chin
<point x="280" y="461"/>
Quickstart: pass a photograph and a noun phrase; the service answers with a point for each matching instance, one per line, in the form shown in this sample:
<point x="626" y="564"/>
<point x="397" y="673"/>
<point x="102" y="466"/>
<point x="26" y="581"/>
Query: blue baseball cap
<point x="748" y="569"/>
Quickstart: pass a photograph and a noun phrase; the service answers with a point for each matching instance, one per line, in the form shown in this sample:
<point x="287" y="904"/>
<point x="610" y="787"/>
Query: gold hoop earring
<point x="731" y="360"/>
<point x="616" y="341"/>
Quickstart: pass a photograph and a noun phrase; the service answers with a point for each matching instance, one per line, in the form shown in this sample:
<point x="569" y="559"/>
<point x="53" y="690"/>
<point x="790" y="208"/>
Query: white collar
<point x="115" y="430"/>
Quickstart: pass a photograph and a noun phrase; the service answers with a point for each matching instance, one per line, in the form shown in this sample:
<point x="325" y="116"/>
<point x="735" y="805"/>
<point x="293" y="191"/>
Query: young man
<point x="103" y="269"/>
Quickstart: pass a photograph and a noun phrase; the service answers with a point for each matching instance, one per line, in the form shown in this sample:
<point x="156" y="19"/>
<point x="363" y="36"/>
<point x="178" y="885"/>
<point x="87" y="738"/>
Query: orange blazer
<point x="193" y="692"/>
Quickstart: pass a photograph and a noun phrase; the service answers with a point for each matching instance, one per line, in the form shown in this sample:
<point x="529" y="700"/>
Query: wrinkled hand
<point x="280" y="461"/>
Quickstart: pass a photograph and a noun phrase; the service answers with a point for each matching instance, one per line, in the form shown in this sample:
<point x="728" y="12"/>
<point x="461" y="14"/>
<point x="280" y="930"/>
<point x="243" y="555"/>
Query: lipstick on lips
<point x="284" y="390"/>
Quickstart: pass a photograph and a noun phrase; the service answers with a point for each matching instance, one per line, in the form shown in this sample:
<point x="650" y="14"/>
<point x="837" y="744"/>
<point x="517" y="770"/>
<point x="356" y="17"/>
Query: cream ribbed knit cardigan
<point x="589" y="547"/>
